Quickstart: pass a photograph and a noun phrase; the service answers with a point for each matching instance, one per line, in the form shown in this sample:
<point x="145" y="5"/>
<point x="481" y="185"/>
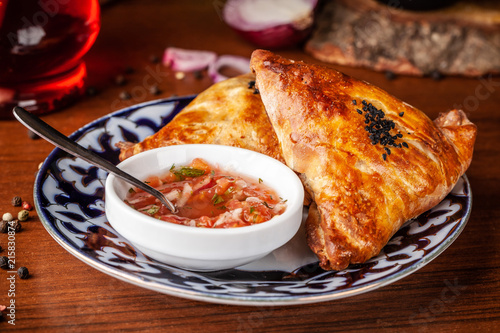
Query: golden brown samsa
<point x="369" y="160"/>
<point x="228" y="113"/>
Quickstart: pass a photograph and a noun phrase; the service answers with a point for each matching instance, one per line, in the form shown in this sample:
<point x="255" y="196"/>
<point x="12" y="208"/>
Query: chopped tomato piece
<point x="206" y="197"/>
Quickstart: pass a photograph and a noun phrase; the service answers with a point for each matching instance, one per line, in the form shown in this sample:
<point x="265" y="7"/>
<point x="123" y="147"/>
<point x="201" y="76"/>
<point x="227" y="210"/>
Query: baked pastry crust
<point x="228" y="113"/>
<point x="362" y="193"/>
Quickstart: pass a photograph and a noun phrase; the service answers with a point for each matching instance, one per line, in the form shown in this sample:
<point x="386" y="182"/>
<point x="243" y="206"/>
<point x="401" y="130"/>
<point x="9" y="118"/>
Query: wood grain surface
<point x="459" y="291"/>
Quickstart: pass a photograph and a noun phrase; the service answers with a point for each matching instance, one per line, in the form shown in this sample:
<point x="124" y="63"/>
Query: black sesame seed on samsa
<point x="379" y="127"/>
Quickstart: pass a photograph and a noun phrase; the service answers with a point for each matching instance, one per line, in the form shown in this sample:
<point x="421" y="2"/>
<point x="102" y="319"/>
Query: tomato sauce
<point x="208" y="197"/>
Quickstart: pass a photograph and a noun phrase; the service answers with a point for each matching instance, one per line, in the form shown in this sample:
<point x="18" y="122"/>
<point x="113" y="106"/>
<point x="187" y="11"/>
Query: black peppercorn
<point x="154" y="59"/>
<point x="17" y="201"/>
<point x="198" y="75"/>
<point x="4" y="262"/>
<point x="436" y="75"/>
<point x="389" y="75"/>
<point x="23" y="272"/>
<point x="91" y="91"/>
<point x="120" y="80"/>
<point x="124" y="95"/>
<point x="32" y="135"/>
<point x="4" y="227"/>
<point x="16" y="225"/>
<point x="129" y="70"/>
<point x="154" y="90"/>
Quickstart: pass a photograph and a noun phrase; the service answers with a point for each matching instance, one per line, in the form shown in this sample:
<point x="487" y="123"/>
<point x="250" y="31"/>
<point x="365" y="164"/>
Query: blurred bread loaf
<point x="461" y="39"/>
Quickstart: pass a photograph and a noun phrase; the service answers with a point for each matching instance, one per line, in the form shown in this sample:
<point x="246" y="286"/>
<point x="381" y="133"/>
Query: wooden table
<point x="64" y="294"/>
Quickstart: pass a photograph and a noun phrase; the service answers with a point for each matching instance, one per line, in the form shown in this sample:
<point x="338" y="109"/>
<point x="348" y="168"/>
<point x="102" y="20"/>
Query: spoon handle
<point x="58" y="139"/>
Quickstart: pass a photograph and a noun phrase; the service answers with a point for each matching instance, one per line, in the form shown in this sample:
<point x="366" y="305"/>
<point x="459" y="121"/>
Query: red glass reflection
<point x="41" y="46"/>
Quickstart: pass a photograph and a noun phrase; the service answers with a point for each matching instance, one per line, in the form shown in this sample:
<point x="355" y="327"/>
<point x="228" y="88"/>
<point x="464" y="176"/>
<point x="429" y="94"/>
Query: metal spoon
<point x="60" y="140"/>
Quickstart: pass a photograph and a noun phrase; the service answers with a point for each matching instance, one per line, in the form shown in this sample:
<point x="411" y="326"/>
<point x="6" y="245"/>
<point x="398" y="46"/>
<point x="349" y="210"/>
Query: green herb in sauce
<point x="153" y="210"/>
<point x="266" y="204"/>
<point x="217" y="199"/>
<point x="184" y="172"/>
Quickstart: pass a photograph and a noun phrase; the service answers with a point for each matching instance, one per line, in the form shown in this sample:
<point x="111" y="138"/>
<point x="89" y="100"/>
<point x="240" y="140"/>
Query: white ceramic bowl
<point x="203" y="249"/>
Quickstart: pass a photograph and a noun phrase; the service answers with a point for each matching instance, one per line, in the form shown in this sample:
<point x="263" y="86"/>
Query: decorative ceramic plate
<point x="69" y="200"/>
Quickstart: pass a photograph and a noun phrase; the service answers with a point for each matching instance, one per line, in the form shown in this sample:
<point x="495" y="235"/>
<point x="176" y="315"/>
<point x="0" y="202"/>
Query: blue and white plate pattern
<point x="69" y="199"/>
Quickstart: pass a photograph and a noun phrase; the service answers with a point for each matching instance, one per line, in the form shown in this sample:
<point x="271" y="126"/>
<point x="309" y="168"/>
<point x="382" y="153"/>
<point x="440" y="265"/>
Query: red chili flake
<point x="27" y="206"/>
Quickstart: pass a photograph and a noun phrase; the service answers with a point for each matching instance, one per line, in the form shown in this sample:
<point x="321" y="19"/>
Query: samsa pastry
<point x="369" y="160"/>
<point x="228" y="113"/>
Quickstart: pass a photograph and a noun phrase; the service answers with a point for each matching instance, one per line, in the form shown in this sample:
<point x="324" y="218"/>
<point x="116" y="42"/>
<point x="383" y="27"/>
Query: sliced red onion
<point x="240" y="64"/>
<point x="271" y="23"/>
<point x="188" y="60"/>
